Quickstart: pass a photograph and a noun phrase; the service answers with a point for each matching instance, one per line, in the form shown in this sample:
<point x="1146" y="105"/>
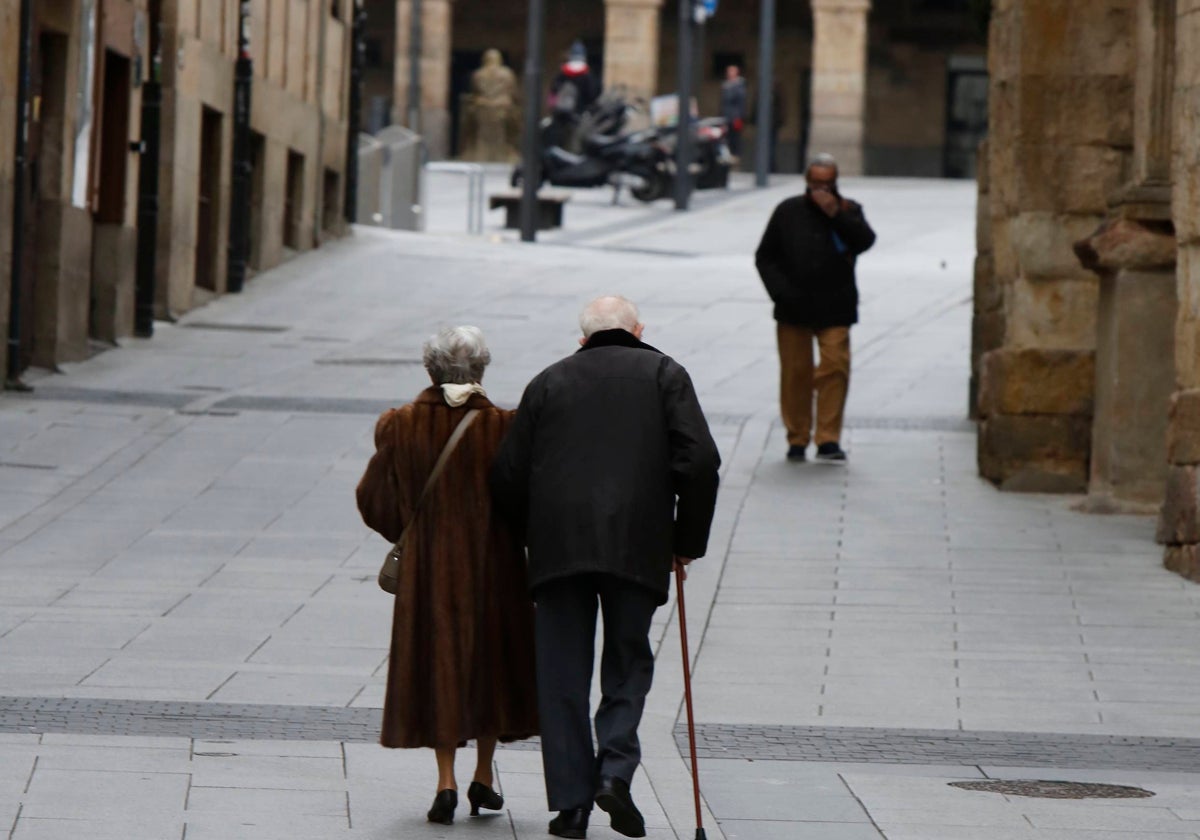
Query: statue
<point x="491" y="117"/>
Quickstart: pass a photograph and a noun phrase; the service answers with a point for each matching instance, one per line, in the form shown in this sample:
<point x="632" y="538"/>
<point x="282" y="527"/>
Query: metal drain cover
<point x="1055" y="790"/>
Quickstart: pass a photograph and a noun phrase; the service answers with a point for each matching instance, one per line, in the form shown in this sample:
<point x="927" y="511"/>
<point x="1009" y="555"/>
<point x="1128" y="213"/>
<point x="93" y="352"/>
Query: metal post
<point x="20" y="176"/>
<point x="243" y="165"/>
<point x="147" y="209"/>
<point x="414" y="66"/>
<point x="358" y="50"/>
<point x="683" y="126"/>
<point x="531" y="151"/>
<point x="766" y="88"/>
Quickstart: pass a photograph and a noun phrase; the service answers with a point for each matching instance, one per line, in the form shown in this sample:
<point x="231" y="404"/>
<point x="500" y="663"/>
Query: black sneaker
<point x="796" y="453"/>
<point x="830" y="453"/>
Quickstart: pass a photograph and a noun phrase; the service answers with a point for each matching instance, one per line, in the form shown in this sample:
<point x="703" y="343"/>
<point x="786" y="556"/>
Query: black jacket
<point x="609" y="466"/>
<point x="806" y="261"/>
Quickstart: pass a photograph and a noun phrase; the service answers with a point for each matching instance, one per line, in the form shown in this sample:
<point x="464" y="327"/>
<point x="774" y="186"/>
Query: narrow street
<point x="188" y="606"/>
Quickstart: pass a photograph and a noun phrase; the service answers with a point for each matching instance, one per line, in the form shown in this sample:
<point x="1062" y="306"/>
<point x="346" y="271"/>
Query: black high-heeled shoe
<point x="482" y="796"/>
<point x="443" y="807"/>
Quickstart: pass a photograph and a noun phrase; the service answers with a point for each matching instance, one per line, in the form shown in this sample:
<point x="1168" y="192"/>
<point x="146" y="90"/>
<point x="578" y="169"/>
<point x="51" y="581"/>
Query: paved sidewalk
<point x="192" y="644"/>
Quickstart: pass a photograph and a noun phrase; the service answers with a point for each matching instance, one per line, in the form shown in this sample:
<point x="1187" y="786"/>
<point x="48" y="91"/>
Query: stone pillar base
<point x="1179" y="521"/>
<point x="1183" y="560"/>
<point x="1036" y="431"/>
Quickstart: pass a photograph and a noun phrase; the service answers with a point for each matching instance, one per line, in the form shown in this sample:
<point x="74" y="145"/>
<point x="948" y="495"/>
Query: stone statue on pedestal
<point x="491" y="114"/>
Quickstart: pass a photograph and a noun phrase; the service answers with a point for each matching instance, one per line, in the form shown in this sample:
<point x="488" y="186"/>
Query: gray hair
<point x="823" y="160"/>
<point x="456" y="355"/>
<point x="608" y="313"/>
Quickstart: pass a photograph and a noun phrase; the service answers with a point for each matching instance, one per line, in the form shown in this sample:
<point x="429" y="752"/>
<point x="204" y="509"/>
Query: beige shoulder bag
<point x="389" y="575"/>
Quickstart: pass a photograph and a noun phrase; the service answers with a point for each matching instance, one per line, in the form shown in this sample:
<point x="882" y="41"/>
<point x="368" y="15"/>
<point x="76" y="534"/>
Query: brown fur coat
<point x="461" y="662"/>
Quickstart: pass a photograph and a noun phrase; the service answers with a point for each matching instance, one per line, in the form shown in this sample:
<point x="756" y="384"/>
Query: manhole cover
<point x="1055" y="790"/>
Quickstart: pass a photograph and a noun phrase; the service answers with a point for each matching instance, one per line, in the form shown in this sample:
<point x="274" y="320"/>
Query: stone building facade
<point x="1086" y="375"/>
<point x="300" y="51"/>
<point x="892" y="88"/>
<point x="90" y="62"/>
<point x="78" y="213"/>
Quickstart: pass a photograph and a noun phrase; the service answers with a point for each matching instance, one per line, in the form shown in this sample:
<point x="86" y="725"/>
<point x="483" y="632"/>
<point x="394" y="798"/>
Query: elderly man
<point x="806" y="260"/>
<point x="611" y="473"/>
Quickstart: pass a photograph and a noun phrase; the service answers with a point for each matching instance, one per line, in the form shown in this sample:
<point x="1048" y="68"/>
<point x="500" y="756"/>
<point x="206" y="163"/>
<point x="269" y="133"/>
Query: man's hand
<point x="829" y="203"/>
<point x="681" y="564"/>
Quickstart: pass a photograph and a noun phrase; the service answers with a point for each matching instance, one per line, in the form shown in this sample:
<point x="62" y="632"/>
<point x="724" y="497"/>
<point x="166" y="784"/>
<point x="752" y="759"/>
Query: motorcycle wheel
<point x="651" y="189"/>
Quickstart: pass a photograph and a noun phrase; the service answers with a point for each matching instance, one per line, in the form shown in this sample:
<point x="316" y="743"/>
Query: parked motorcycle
<point x="711" y="158"/>
<point x="607" y="157"/>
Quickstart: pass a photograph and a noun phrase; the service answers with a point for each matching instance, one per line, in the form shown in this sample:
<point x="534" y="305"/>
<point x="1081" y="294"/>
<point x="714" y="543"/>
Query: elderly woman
<point x="461" y="664"/>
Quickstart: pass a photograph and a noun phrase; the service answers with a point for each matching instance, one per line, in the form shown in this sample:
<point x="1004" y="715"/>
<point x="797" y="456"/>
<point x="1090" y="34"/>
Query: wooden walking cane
<point x="687" y="696"/>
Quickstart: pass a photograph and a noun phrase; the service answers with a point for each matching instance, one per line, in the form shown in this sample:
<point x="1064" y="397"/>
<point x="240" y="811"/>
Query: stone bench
<point x="549" y="208"/>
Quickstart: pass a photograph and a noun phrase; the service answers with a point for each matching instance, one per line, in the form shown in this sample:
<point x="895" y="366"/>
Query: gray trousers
<point x="565" y="640"/>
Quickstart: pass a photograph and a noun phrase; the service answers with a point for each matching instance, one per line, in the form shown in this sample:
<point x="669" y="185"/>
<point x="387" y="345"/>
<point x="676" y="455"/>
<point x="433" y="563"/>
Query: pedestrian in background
<point x="733" y="107"/>
<point x="611" y="473"/>
<point x="807" y="262"/>
<point x="461" y="663"/>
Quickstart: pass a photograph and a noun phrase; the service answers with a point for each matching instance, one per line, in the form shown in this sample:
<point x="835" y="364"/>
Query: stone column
<point x="839" y="81"/>
<point x="437" y="18"/>
<point x="631" y="45"/>
<point x="1134" y="254"/>
<point x="1061" y="105"/>
<point x="1179" y="525"/>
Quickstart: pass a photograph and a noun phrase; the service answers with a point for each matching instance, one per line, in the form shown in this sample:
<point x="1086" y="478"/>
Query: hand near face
<point x="824" y="198"/>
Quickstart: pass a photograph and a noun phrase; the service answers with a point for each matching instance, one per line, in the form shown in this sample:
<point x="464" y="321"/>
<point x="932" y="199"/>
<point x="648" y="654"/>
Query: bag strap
<point x="455" y="437"/>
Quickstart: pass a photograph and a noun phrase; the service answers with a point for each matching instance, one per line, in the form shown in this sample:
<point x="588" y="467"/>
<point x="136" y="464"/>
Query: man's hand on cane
<point x="681" y="564"/>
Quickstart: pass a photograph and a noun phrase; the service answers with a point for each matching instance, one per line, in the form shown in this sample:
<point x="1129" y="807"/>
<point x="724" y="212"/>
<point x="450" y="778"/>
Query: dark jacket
<point x="806" y="261"/>
<point x="609" y="466"/>
<point x="733" y="100"/>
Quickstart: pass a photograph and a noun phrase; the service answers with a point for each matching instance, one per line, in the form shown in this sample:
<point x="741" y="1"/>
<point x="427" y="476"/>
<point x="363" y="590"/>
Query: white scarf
<point x="456" y="395"/>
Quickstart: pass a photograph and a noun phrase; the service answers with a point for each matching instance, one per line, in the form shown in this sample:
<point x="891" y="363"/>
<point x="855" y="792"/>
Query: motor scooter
<point x="711" y="159"/>
<point x="637" y="160"/>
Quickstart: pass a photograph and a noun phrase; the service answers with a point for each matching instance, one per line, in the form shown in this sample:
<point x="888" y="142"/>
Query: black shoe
<point x="796" y="453"/>
<point x="443" y="807"/>
<point x="612" y="796"/>
<point x="830" y="452"/>
<point x="572" y="823"/>
<point x="482" y="796"/>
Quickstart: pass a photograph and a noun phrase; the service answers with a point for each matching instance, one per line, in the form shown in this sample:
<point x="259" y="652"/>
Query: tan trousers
<point x="798" y="382"/>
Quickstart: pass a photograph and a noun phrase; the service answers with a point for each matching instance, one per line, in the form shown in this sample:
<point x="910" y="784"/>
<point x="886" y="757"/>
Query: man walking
<point x="611" y="473"/>
<point x="806" y="260"/>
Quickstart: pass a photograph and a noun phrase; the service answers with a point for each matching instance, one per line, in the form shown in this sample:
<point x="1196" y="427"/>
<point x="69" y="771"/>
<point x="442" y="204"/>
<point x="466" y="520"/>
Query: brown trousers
<point x="798" y="382"/>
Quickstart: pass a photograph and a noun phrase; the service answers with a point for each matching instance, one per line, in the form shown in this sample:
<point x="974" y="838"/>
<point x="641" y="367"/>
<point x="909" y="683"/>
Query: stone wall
<point x="1179" y="525"/>
<point x="300" y="52"/>
<point x="1061" y="139"/>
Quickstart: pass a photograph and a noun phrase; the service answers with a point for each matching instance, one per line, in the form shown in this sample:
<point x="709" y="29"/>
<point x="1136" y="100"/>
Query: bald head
<point x="609" y="313"/>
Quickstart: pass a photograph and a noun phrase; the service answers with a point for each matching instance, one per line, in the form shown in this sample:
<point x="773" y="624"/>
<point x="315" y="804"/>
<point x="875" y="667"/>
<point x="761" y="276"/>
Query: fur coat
<point x="461" y="663"/>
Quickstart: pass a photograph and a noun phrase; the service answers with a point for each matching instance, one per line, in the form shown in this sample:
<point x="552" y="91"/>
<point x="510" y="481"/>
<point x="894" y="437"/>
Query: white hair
<point x="823" y="160"/>
<point x="608" y="313"/>
<point x="456" y="355"/>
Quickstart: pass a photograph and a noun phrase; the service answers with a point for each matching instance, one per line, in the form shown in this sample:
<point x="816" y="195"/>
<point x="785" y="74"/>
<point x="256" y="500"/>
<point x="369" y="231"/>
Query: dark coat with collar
<point x="461" y="663"/>
<point x="609" y="466"/>
<point x="806" y="260"/>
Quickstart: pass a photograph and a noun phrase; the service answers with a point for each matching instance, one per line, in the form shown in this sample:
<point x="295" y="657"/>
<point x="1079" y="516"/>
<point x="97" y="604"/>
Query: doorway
<point x="43" y="183"/>
<point x="293" y="201"/>
<point x="966" y="114"/>
<point x="108" y="288"/>
<point x="208" y="200"/>
<point x="258" y="174"/>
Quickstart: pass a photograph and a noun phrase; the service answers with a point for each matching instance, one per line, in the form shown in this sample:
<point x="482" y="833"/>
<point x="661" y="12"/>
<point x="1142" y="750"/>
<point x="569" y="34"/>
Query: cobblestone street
<point x="193" y="645"/>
